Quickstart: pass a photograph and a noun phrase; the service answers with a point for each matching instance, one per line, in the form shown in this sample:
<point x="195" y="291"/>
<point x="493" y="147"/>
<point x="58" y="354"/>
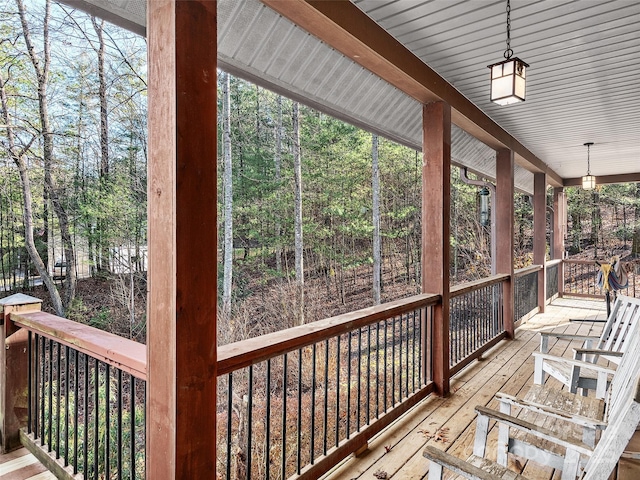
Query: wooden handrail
<point x="552" y="263"/>
<point x="579" y="262"/>
<point x="521" y="272"/>
<point x="477" y="284"/>
<point x="127" y="355"/>
<point x="241" y="354"/>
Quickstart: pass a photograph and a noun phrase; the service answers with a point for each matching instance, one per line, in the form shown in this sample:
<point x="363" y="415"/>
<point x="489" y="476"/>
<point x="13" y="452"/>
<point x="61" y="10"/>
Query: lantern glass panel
<point x="496" y="71"/>
<point x="508" y="68"/>
<point x="520" y="87"/>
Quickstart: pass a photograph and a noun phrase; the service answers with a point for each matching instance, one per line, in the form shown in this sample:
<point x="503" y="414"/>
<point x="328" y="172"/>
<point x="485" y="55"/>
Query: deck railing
<point x="298" y="401"/>
<point x="475" y="319"/>
<point x="291" y="403"/>
<point x="580" y="279"/>
<point x="553" y="268"/>
<point x="526" y="291"/>
<point x="86" y="397"/>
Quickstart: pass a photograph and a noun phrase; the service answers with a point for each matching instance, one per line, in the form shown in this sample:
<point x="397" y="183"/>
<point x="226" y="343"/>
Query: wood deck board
<point x="507" y="368"/>
<point x="22" y="465"/>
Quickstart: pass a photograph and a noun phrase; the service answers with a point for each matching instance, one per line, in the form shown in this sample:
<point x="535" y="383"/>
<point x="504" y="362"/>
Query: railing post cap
<point x="19" y="299"/>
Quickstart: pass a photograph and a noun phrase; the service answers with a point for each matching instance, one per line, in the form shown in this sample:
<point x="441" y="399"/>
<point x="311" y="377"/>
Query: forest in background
<point x="316" y="217"/>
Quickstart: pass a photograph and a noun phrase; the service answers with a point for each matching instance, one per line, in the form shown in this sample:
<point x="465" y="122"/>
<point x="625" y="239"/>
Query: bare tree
<point x="41" y="68"/>
<point x="375" y="184"/>
<point x="277" y="165"/>
<point x="228" y="196"/>
<point x="299" y="245"/>
<point x="17" y="155"/>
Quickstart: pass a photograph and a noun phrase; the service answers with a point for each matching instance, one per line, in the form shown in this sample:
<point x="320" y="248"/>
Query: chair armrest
<point x="569" y="336"/>
<point x="597" y="351"/>
<point x="459" y="466"/>
<point x="535" y="430"/>
<point x="551" y="412"/>
<point x="576" y="363"/>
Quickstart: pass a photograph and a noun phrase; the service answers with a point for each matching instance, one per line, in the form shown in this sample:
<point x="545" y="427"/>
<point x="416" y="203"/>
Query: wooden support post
<point x="436" y="183"/>
<point x="559" y="231"/>
<point x="504" y="232"/>
<point x="540" y="233"/>
<point x="181" y="321"/>
<point x="14" y="370"/>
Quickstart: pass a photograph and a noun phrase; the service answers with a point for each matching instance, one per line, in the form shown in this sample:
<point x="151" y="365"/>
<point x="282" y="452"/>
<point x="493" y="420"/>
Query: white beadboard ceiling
<point x="583" y="83"/>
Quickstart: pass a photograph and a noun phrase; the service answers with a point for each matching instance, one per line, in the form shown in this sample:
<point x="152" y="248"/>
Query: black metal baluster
<point x="284" y="418"/>
<point x="267" y="433"/>
<point x="377" y="369"/>
<point x="325" y="429"/>
<point x="393" y="361"/>
<point x="119" y="445"/>
<point x="76" y="408"/>
<point x="313" y="403"/>
<point x="299" y="432"/>
<point x="50" y="396"/>
<point x="349" y="350"/>
<point x="66" y="422"/>
<point x="96" y="418"/>
<point x="338" y="340"/>
<point x="29" y="380"/>
<point x="368" y="374"/>
<point x="38" y="393"/>
<point x="58" y="395"/>
<point x="249" y="422"/>
<point x="229" y="421"/>
<point x="386" y="340"/>
<point x="107" y="422"/>
<point x="359" y="394"/>
<point x="132" y="408"/>
<point x="413" y="353"/>
<point x="86" y="417"/>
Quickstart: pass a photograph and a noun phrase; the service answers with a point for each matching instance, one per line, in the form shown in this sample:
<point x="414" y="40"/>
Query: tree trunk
<point x="42" y="74"/>
<point x="27" y="208"/>
<point x="228" y="197"/>
<point x="103" y="237"/>
<point x="297" y="168"/>
<point x="375" y="183"/>
<point x="278" y="164"/>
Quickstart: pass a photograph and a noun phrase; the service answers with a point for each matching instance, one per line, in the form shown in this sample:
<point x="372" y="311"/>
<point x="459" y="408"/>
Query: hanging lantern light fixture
<point x="508" y="78"/>
<point x="588" y="180"/>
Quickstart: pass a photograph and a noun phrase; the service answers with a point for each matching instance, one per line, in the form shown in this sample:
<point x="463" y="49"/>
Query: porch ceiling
<point x="582" y="84"/>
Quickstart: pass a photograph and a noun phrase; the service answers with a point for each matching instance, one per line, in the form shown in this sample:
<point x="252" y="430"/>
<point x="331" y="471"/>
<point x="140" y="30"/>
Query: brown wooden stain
<point x="436" y="179"/>
<point x="505" y="232"/>
<point x="182" y="38"/>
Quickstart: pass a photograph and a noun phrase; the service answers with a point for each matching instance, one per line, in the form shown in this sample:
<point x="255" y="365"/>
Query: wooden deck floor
<point x="450" y="423"/>
<point x="22" y="465"/>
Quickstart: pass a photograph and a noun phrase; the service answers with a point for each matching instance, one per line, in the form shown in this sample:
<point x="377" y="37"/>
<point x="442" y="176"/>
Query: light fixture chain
<point x="508" y="52"/>
<point x="588" y="159"/>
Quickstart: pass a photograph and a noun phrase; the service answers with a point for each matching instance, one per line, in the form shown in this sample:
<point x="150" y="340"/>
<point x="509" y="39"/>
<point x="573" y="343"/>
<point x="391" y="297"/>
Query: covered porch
<point x="414" y="356"/>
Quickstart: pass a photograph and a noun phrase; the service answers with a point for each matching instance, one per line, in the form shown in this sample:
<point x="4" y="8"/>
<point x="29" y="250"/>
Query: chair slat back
<point x="624" y="314"/>
<point x="624" y="412"/>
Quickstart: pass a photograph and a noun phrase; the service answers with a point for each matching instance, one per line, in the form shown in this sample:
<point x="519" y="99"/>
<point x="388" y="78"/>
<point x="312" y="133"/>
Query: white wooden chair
<point x="622" y="419"/>
<point x="582" y="372"/>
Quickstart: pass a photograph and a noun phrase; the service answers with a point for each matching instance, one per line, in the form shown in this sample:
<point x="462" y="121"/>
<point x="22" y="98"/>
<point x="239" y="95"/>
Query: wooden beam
<point x="504" y="232"/>
<point x="540" y="233"/>
<point x="181" y="321"/>
<point x="604" y="179"/>
<point x="436" y="202"/>
<point x="559" y="230"/>
<point x="343" y="26"/>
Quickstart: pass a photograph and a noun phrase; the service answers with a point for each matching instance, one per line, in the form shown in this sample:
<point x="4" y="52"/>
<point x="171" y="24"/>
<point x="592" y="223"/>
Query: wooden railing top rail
<point x="551" y="263"/>
<point x="477" y="284"/>
<point x="579" y="262"/>
<point x="521" y="272"/>
<point x="127" y="355"/>
<point x="254" y="350"/>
